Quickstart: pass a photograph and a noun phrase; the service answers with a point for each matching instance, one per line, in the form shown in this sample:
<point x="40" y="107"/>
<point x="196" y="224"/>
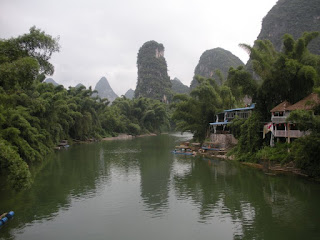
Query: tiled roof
<point x="307" y="103"/>
<point x="281" y="107"/>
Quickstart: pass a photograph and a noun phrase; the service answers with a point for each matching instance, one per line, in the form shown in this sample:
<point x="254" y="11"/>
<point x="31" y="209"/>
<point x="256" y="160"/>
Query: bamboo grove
<point x="35" y="116"/>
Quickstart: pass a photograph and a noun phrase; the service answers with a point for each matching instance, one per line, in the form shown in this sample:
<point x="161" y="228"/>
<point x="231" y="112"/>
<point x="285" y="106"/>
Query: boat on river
<point x="184" y="150"/>
<point x="5" y="217"/>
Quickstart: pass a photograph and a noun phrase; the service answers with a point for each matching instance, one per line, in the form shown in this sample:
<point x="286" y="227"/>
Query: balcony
<point x="278" y="119"/>
<point x="291" y="133"/>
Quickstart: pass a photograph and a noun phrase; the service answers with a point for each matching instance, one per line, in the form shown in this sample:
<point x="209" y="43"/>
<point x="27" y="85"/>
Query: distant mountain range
<point x="79" y="85"/>
<point x="287" y="16"/>
<point x="104" y="90"/>
<point x="50" y="80"/>
<point x="129" y="94"/>
<point x="102" y="87"/>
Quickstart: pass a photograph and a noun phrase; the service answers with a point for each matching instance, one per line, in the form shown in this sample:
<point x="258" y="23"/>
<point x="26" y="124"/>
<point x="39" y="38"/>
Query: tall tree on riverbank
<point x="23" y="63"/>
<point x="193" y="113"/>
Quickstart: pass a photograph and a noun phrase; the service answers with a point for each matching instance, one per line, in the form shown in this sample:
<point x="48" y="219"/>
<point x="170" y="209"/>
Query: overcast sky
<point x="102" y="37"/>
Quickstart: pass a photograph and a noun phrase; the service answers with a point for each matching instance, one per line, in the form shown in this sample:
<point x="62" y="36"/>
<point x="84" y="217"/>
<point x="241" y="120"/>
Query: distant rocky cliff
<point x="129" y="94"/>
<point x="104" y="90"/>
<point x="294" y="17"/>
<point x="153" y="80"/>
<point x="50" y="80"/>
<point x="79" y="85"/>
<point x="213" y="60"/>
<point x="179" y="87"/>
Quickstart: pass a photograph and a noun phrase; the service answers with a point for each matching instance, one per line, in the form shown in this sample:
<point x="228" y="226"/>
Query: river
<point x="137" y="189"/>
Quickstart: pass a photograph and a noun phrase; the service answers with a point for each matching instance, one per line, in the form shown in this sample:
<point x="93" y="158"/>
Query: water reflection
<point x="136" y="188"/>
<point x="65" y="175"/>
<point x="261" y="207"/>
<point x="155" y="167"/>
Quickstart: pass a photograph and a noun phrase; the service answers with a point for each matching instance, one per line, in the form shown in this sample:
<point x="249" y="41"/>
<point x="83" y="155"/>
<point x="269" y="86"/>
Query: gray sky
<point x="102" y="37"/>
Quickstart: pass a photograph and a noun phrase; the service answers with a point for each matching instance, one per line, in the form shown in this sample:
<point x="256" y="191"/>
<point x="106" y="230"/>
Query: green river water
<point x="137" y="189"/>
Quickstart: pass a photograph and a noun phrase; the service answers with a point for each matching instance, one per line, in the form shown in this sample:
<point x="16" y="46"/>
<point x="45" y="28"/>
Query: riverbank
<point x="127" y="137"/>
<point x="268" y="167"/>
<point x="276" y="168"/>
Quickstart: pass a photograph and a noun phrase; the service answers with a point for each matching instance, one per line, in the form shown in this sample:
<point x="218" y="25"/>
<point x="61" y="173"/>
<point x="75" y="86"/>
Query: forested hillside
<point x="215" y="63"/>
<point x="179" y="87"/>
<point x="293" y="17"/>
<point x="153" y="80"/>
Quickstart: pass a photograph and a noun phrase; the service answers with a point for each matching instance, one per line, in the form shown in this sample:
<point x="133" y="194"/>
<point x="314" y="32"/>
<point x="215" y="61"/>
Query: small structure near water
<point x="220" y="134"/>
<point x="220" y="126"/>
<point x="280" y="129"/>
<point x="62" y="145"/>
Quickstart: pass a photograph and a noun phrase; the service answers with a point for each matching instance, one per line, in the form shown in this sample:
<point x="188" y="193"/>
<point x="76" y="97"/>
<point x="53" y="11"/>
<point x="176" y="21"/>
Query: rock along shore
<point x="127" y="137"/>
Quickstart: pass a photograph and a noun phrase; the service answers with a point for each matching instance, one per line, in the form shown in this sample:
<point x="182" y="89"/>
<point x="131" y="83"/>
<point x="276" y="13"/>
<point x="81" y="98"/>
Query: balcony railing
<point x="291" y="133"/>
<point x="278" y="119"/>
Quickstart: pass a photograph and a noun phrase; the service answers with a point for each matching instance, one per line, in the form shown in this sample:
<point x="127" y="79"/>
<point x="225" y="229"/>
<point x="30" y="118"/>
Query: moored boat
<point x="5" y="217"/>
<point x="184" y="150"/>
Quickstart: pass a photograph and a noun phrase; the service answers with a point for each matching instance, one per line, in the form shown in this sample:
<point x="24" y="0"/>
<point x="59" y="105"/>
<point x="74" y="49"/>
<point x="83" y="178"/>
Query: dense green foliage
<point x="288" y="75"/>
<point x="291" y="75"/>
<point x="137" y="116"/>
<point x="241" y="83"/>
<point x="249" y="138"/>
<point x="305" y="150"/>
<point x="215" y="63"/>
<point x="35" y="116"/>
<point x="153" y="80"/>
<point x="194" y="112"/>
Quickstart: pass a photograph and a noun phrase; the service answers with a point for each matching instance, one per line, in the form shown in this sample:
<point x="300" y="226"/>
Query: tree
<point x="288" y="75"/>
<point x="23" y="62"/>
<point x="305" y="150"/>
<point x="26" y="58"/>
<point x="194" y="112"/>
<point x="241" y="83"/>
<point x="250" y="140"/>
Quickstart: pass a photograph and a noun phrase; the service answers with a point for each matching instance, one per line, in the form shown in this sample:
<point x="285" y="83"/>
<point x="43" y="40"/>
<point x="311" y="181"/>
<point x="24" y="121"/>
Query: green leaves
<point x="241" y="83"/>
<point x="18" y="74"/>
<point x="39" y="46"/>
<point x="26" y="58"/>
<point x="289" y="75"/>
<point x="35" y="116"/>
<point x="149" y="114"/>
<point x="16" y="169"/>
<point x="194" y="112"/>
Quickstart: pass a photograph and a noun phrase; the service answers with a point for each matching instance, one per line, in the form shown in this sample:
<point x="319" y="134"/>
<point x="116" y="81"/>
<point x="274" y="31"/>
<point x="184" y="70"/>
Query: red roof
<point x="307" y="103"/>
<point x="281" y="107"/>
